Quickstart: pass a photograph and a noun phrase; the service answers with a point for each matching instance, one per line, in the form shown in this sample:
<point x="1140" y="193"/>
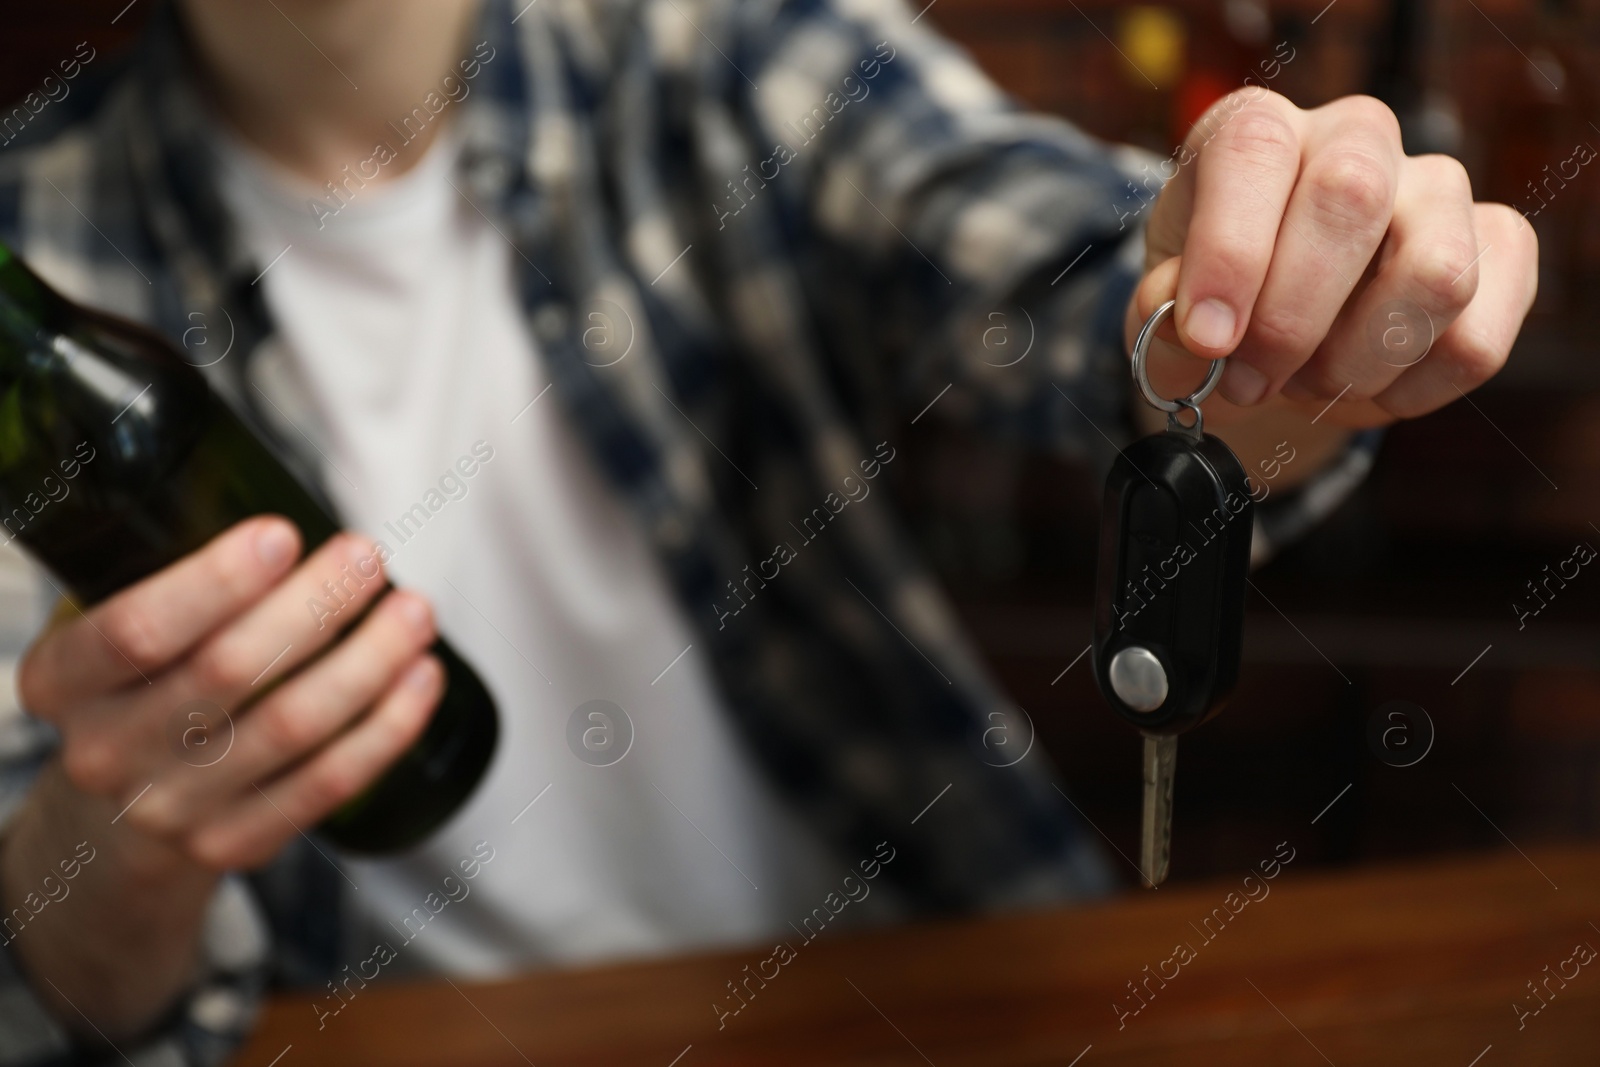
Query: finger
<point x="124" y="741"/>
<point x="1242" y="181"/>
<point x="251" y="831"/>
<point x="290" y="625"/>
<point x="1477" y="344"/>
<point x="149" y="626"/>
<point x="307" y="710"/>
<point x="1427" y="274"/>
<point x="1336" y="218"/>
<point x="1173" y="371"/>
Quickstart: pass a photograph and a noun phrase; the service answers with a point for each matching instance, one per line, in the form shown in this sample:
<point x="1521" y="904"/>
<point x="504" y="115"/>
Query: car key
<point x="1175" y="534"/>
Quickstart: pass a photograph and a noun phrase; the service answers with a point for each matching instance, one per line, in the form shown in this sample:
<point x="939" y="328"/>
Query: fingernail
<point x="275" y="544"/>
<point x="1211" y="323"/>
<point x="1242" y="384"/>
<point x="424" y="675"/>
<point x="414" y="610"/>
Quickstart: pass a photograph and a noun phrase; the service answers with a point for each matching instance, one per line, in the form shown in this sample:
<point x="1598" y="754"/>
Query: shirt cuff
<point x="1287" y="517"/>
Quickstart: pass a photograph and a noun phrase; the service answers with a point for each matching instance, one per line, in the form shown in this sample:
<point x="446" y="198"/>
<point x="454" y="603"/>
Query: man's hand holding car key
<point x="1284" y="245"/>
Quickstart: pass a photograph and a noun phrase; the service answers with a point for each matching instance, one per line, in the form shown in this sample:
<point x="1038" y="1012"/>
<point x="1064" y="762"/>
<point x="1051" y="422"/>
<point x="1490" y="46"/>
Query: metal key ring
<point x="1141" y="375"/>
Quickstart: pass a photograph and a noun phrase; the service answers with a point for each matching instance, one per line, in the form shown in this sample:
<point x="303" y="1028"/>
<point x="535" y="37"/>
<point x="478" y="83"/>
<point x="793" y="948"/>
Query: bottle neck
<point x="28" y="309"/>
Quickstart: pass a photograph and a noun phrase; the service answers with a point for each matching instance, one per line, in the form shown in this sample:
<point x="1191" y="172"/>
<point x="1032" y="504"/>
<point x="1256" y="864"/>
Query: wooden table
<point x="1416" y="965"/>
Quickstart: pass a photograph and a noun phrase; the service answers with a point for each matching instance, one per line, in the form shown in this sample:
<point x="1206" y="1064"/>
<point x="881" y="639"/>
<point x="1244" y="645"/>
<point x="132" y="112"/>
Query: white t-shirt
<point x="401" y="334"/>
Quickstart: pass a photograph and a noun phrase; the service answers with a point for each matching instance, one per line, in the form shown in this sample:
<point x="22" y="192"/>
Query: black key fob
<point x="1175" y="536"/>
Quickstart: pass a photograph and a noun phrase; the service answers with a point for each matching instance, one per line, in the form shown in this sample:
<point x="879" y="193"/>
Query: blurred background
<point x="1407" y="593"/>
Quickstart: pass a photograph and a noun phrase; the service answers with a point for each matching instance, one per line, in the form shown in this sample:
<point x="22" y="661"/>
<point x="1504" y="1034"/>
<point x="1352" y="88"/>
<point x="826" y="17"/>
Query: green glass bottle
<point x="117" y="459"/>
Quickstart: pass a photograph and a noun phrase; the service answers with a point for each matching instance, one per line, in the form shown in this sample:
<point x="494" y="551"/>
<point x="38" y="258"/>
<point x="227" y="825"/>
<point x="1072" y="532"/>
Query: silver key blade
<point x="1155" y="837"/>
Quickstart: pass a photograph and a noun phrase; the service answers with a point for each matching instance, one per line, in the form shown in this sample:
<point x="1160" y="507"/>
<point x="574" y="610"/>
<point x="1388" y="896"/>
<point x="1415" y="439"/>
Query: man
<point x="663" y="269"/>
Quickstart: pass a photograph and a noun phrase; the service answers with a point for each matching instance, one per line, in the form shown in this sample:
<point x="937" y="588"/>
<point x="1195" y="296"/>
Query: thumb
<point x="1173" y="370"/>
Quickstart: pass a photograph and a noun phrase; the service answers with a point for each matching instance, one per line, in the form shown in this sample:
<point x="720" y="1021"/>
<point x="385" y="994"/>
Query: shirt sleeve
<point x="969" y="258"/>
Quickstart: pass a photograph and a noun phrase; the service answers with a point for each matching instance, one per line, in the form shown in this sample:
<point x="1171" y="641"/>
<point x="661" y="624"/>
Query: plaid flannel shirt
<point x="798" y="216"/>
